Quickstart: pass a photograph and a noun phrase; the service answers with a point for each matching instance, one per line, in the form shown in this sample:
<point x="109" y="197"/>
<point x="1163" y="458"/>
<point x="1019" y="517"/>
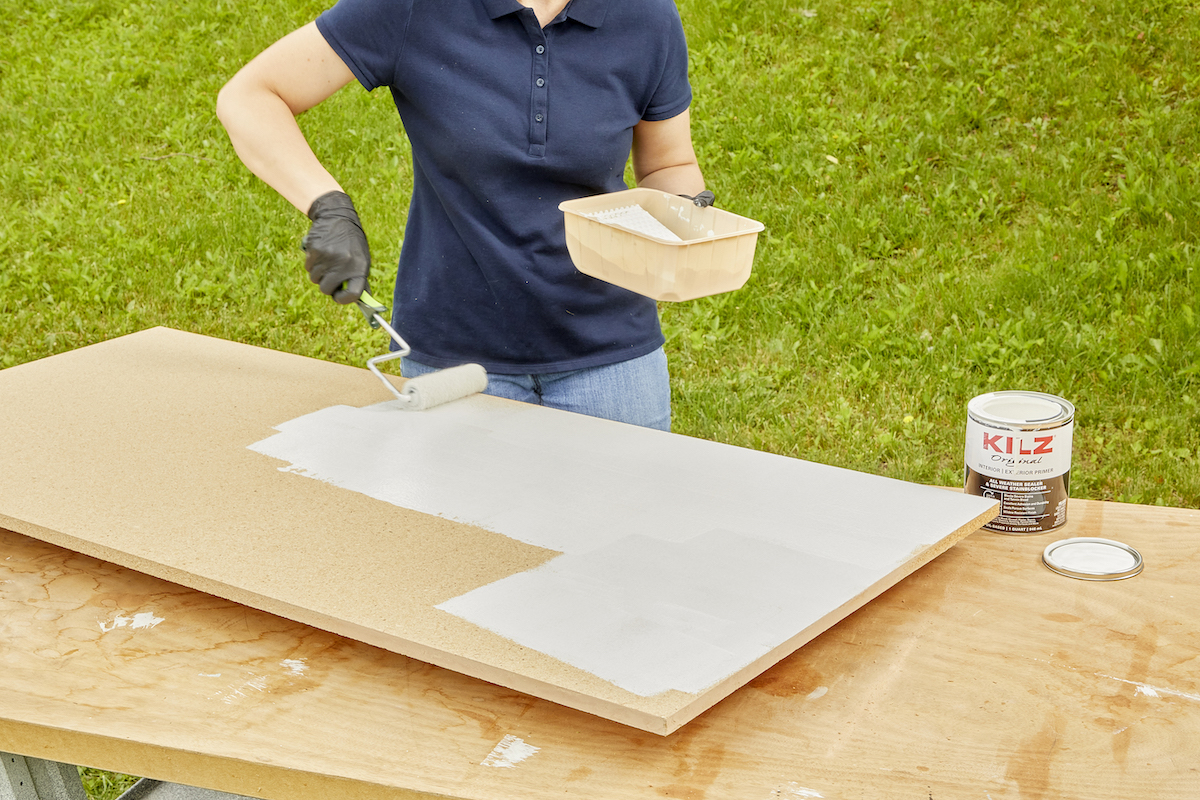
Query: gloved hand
<point x="703" y="200"/>
<point x="338" y="260"/>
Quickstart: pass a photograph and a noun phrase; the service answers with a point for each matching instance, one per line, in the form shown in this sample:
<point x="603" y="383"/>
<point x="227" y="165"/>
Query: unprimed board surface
<point x="984" y="676"/>
<point x="636" y="575"/>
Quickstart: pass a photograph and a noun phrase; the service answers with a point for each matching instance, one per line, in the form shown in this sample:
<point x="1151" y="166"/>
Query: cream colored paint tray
<point x="660" y="245"/>
<point x="637" y="575"/>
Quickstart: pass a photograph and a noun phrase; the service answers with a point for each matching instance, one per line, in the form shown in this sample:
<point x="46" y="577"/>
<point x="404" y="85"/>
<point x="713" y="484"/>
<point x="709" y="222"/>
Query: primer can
<point x="1019" y="452"/>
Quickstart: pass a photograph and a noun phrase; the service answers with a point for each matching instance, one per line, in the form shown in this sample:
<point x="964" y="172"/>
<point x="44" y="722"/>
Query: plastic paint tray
<point x="713" y="255"/>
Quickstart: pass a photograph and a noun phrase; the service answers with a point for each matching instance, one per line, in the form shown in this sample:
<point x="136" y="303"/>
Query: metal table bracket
<point x="24" y="778"/>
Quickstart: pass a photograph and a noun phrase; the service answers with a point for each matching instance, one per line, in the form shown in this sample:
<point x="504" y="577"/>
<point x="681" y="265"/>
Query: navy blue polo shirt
<point x="506" y="120"/>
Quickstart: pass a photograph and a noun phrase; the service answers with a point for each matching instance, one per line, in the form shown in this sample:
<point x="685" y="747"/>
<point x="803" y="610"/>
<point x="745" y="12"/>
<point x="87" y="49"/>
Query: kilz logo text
<point x="1004" y="444"/>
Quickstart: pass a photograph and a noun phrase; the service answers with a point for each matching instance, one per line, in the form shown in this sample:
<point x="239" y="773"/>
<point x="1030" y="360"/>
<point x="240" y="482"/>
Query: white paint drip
<point x="794" y="789"/>
<point x="258" y="683"/>
<point x="1143" y="689"/>
<point x="1147" y="690"/>
<point x="139" y="621"/>
<point x="510" y="752"/>
<point x="295" y="666"/>
<point x="818" y="693"/>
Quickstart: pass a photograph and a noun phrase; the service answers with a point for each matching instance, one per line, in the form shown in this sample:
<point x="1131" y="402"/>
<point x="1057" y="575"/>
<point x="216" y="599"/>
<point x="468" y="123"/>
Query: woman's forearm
<point x="685" y="179"/>
<point x="269" y="142"/>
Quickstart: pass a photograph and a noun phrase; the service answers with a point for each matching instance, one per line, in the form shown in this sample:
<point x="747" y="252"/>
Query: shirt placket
<point x="539" y="96"/>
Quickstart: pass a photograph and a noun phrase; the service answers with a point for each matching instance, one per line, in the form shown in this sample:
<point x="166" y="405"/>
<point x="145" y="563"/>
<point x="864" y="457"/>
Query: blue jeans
<point x="637" y="391"/>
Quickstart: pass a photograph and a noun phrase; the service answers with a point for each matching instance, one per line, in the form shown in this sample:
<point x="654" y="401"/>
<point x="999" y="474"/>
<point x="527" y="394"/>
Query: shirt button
<point x="541" y="82"/>
<point x="540" y="49"/>
<point x="539" y="117"/>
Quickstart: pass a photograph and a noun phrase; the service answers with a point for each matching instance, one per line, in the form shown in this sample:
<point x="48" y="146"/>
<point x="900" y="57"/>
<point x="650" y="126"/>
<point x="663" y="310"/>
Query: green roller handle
<point x="372" y="309"/>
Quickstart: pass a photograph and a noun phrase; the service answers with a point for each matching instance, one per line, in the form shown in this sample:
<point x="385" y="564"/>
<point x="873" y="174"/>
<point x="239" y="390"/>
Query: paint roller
<point x="425" y="391"/>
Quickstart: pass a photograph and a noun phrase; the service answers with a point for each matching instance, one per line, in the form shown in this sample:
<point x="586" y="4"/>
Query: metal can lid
<point x="1092" y="559"/>
<point x="1021" y="409"/>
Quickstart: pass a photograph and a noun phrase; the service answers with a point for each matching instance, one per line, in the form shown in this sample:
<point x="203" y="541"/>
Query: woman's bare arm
<point x="259" y="105"/>
<point x="663" y="156"/>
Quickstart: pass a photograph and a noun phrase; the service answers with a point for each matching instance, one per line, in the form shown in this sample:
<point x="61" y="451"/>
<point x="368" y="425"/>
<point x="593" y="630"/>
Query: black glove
<point x="703" y="200"/>
<point x="338" y="260"/>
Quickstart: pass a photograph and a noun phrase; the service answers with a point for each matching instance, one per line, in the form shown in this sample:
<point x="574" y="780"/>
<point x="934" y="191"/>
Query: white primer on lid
<point x="1020" y="408"/>
<point x="1092" y="559"/>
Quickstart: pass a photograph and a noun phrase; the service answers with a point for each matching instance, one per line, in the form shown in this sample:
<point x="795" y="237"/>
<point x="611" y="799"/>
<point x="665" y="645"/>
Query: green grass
<point x="959" y="197"/>
<point x="101" y="785"/>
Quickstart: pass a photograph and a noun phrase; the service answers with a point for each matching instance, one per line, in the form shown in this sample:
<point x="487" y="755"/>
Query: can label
<point x="1024" y="463"/>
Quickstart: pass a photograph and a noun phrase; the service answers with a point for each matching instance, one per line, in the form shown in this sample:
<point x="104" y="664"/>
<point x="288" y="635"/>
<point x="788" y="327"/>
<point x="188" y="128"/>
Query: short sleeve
<point x="673" y="94"/>
<point x="368" y="35"/>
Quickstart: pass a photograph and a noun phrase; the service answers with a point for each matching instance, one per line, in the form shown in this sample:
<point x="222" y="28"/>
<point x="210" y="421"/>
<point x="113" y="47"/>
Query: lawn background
<point x="959" y="198"/>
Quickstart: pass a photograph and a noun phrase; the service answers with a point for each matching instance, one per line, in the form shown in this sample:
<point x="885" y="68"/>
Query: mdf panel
<point x="636" y="575"/>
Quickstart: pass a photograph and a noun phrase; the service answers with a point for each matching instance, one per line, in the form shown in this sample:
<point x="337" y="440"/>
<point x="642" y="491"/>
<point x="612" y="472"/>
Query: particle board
<point x="632" y="574"/>
<point x="982" y="675"/>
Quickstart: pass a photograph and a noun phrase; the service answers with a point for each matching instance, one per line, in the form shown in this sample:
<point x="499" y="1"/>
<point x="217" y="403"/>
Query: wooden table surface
<point x="983" y="675"/>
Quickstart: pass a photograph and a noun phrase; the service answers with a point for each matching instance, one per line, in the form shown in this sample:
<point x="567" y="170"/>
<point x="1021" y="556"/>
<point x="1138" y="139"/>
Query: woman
<point x="511" y="107"/>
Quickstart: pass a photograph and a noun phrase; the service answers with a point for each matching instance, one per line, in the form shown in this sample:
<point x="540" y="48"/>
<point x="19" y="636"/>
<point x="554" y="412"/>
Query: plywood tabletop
<point x="982" y="675"/>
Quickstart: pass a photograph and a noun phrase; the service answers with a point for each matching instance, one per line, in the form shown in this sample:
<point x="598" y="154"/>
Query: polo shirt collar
<point x="589" y="12"/>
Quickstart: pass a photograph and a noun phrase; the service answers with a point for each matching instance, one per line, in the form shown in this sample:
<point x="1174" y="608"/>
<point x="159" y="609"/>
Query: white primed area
<point x="683" y="560"/>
